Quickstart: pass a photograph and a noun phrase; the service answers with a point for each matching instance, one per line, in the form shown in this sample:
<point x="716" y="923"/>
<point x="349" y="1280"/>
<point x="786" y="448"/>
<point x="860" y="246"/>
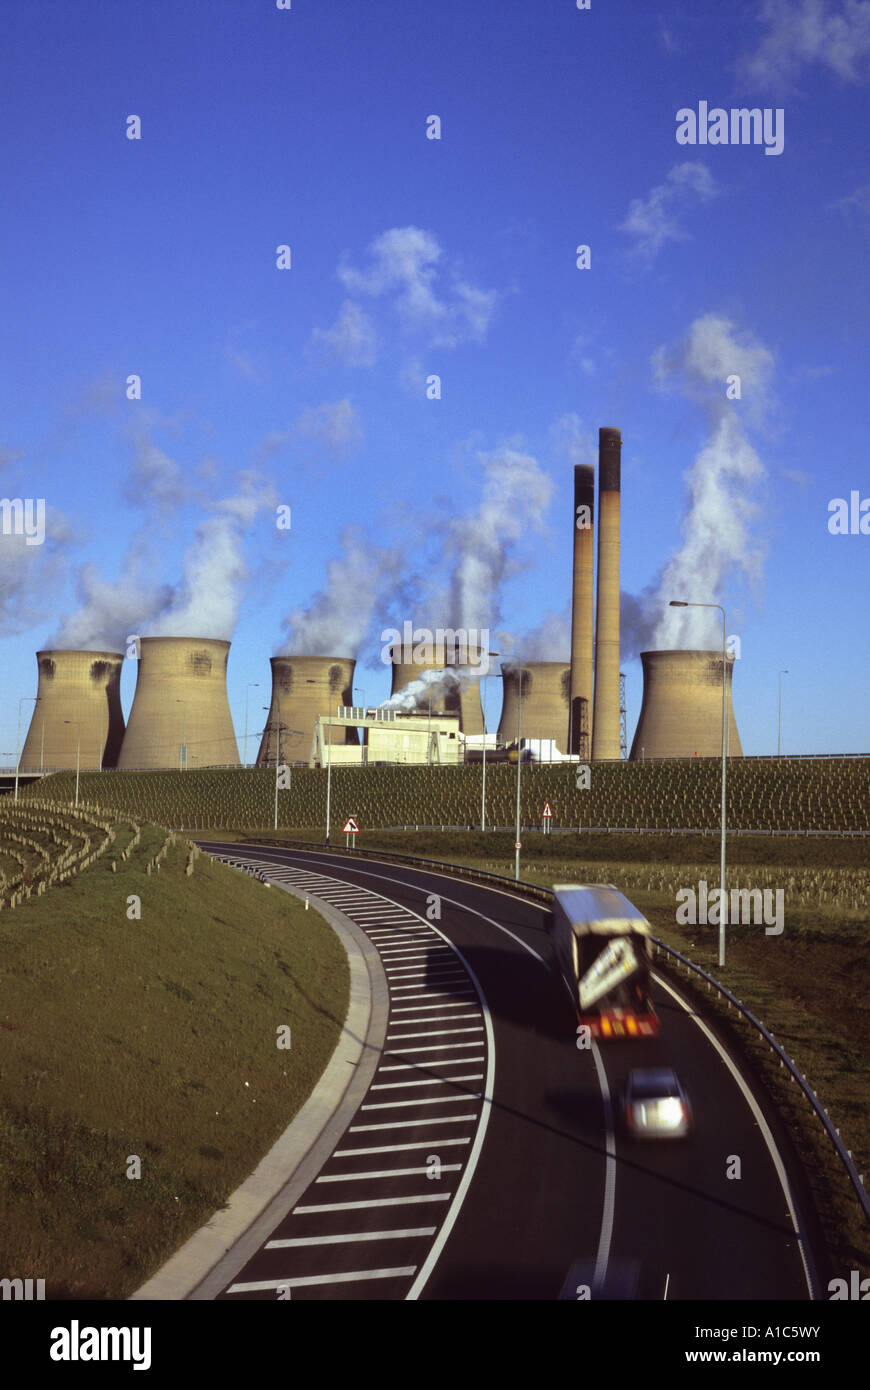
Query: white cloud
<point x="335" y="426"/>
<point x="833" y="34"/>
<point x="655" y="219"/>
<point x="351" y="338"/>
<point x="405" y="269"/>
<point x="855" y="204"/>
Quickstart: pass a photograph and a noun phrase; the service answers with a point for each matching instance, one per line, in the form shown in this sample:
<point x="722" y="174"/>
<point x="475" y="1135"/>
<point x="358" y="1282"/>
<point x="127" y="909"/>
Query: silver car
<point x="655" y="1106"/>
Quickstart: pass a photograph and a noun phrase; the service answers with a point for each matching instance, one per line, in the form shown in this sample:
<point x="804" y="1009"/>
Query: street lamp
<point x="252" y="685"/>
<point x="677" y="603"/>
<point x="23" y="699"/>
<point x="278" y="753"/>
<point x="484" y="679"/>
<point x="779" y="728"/>
<point x="182" y="767"/>
<point x="310" y="681"/>
<point x="78" y="728"/>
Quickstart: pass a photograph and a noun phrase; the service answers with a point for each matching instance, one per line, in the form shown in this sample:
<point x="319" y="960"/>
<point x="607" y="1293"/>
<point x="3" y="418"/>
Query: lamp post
<point x="310" y="681"/>
<point x="677" y="603"/>
<point x="252" y="685"/>
<point x="78" y="728"/>
<point x="779" y="727"/>
<point x="182" y="752"/>
<point x="484" y="679"/>
<point x="23" y="699"/>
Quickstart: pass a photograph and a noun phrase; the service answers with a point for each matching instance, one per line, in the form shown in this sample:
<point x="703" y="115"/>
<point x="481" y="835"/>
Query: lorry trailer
<point x="603" y="947"/>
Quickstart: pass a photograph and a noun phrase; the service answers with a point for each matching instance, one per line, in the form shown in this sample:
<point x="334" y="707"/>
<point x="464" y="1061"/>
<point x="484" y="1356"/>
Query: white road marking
<point x="414" y="1124"/>
<point x="609" y="1204"/>
<point x="446" y="1062"/>
<point x="399" y="1148"/>
<point x="373" y="1202"/>
<point x="437" y="1081"/>
<point x="350" y="1239"/>
<point x="260" y="1285"/>
<point x="436" y="1047"/>
<point x="428" y="1100"/>
<point x="385" y="1173"/>
<point x="435" y="1032"/>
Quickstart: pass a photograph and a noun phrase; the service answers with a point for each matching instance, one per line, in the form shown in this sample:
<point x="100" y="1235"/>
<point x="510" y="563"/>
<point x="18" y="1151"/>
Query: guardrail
<point x="526" y="889"/>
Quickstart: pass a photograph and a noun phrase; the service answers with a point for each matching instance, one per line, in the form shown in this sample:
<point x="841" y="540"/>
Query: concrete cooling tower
<point x="580" y="731"/>
<point x="180" y="715"/>
<point x="78" y="709"/>
<point x="681" y="713"/>
<point x="546" y="689"/>
<point x="605" y="711"/>
<point x="465" y="702"/>
<point x="303" y="689"/>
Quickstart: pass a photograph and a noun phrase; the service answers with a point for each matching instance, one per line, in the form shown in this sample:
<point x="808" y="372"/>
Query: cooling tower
<point x="78" y="708"/>
<point x="681" y="714"/>
<point x="464" y="702"/>
<point x="580" y="729"/>
<point x="546" y="687"/>
<point x="181" y="714"/>
<point x="303" y="689"/>
<point x="605" y="709"/>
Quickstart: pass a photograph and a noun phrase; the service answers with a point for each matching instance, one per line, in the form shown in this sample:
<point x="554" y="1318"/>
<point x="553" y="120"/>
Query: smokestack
<point x="181" y="714"/>
<point x="605" y="712"/>
<point x="464" y="702"/>
<point x="681" y="714"/>
<point x="580" y="729"/>
<point x="303" y="689"/>
<point x="546" y="686"/>
<point x="77" y="712"/>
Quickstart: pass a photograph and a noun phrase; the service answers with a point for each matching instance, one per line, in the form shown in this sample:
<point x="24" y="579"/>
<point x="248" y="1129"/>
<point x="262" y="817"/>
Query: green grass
<point x="156" y="1038"/>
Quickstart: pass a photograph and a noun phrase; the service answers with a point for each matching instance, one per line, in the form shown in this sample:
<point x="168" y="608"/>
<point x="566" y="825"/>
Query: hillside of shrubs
<point x="763" y="794"/>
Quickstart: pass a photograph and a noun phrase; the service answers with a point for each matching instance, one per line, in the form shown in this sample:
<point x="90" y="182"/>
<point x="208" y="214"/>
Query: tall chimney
<point x="580" y="709"/>
<point x="605" y="712"/>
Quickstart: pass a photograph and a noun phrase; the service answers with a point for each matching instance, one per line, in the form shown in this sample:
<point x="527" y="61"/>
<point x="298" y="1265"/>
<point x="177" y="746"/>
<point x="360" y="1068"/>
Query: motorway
<point x="492" y="1165"/>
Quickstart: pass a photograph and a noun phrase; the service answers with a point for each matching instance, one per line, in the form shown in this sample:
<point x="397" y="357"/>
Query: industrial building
<point x="77" y="716"/>
<point x="303" y="689"/>
<point x="681" y="714"/>
<point x="180" y="716"/>
<point x="388" y="736"/>
<point x="546" y="688"/>
<point x="462" y="701"/>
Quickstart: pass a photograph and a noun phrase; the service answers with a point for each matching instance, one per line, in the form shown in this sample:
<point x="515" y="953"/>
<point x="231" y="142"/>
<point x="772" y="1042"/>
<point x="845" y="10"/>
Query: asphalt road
<point x="555" y="1190"/>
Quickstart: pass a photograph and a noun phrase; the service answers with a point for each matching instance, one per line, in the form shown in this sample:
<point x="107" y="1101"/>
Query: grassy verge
<point x="152" y="1038"/>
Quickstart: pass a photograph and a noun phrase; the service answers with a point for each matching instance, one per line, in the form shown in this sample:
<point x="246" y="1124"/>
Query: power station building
<point x="546" y="688"/>
<point x="77" y="716"/>
<point x="681" y="714"/>
<point x="180" y="716"/>
<point x="303" y="689"/>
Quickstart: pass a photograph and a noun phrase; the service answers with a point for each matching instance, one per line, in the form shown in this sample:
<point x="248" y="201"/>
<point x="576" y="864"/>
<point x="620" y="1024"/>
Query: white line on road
<point x="350" y="1239"/>
<point x="260" y="1285"/>
<point x="373" y="1202"/>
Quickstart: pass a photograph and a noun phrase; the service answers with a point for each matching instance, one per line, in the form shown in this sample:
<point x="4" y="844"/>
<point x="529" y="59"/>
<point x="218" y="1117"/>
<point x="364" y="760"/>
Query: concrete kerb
<point x="212" y="1257"/>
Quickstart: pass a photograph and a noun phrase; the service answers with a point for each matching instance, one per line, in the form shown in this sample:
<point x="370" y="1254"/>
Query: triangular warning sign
<point x="547" y="813"/>
<point x="351" y="827"/>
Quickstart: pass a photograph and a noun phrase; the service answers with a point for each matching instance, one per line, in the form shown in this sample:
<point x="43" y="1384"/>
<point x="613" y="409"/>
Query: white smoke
<point x="484" y="546"/>
<point x="718" y="545"/>
<point x="111" y="610"/>
<point x="430" y="684"/>
<point x="207" y="600"/>
<point x="29" y="572"/>
<point x="338" y="619"/>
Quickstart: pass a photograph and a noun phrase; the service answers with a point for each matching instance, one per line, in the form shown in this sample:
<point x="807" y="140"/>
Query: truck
<point x="602" y="944"/>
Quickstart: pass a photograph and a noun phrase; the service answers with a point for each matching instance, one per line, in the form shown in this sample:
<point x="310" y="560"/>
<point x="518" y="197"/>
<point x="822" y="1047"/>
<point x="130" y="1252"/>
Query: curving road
<point x="535" y="1190"/>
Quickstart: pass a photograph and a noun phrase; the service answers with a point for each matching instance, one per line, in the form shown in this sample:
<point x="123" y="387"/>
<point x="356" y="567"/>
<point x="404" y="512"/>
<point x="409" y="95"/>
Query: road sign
<point x="547" y="813"/>
<point x="350" y="827"/>
<point x="518" y="844"/>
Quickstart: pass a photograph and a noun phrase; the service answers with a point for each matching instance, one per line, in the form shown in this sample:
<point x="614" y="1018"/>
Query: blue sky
<point x="412" y="257"/>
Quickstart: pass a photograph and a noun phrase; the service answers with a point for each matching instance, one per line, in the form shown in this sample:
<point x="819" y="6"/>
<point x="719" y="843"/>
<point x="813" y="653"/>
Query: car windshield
<point x="653" y="1087"/>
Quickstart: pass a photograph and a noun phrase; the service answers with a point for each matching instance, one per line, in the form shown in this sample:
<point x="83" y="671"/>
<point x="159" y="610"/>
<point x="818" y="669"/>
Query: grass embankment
<point x="154" y="1037"/>
<point x="810" y="985"/>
